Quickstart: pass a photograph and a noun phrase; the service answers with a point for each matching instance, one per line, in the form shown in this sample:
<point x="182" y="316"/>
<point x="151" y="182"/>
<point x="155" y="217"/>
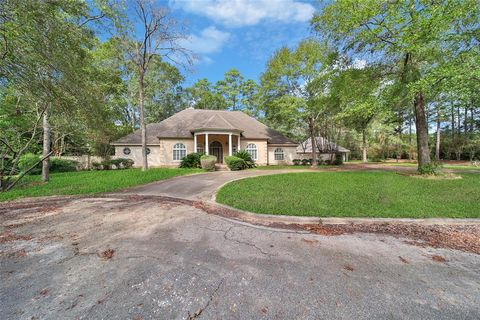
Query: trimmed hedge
<point x="208" y="162"/>
<point x="118" y="163"/>
<point x="235" y="163"/>
<point x="191" y="160"/>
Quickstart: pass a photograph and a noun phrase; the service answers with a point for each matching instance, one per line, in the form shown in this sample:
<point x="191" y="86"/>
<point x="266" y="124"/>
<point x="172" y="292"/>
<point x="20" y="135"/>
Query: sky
<point x="241" y="34"/>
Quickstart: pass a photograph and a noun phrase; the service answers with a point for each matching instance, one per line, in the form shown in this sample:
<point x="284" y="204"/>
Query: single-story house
<point x="326" y="150"/>
<point x="216" y="132"/>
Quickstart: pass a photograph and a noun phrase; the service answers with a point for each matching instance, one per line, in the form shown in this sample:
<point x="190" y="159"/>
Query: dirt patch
<point x="403" y="260"/>
<point x="438" y="258"/>
<point x="460" y="237"/>
<point x="9" y="236"/>
<point x="348" y="267"/>
<point x="309" y="241"/>
<point x="107" y="254"/>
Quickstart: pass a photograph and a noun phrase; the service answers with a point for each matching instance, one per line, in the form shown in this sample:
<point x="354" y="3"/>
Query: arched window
<point x="179" y="151"/>
<point x="279" y="154"/>
<point x="252" y="150"/>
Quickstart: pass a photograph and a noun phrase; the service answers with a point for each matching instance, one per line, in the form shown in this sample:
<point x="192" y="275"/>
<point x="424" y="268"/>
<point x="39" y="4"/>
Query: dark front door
<point x="216" y="150"/>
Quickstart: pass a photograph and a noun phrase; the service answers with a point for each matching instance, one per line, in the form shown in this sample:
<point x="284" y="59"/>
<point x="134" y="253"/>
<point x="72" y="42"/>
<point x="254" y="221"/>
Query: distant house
<point x="214" y="132"/>
<point x="326" y="149"/>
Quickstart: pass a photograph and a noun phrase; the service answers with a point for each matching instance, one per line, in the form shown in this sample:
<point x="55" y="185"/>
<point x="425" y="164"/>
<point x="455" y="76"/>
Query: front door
<point x="216" y="150"/>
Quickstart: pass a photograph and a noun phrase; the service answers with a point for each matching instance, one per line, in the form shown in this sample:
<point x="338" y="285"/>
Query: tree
<point x="413" y="39"/>
<point x="158" y="36"/>
<point x="293" y="87"/>
<point x="358" y="94"/>
<point x="202" y="95"/>
<point x="231" y="89"/>
<point x="45" y="54"/>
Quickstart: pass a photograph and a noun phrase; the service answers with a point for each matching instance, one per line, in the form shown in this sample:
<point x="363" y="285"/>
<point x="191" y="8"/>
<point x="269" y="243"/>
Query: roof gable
<point x="183" y="123"/>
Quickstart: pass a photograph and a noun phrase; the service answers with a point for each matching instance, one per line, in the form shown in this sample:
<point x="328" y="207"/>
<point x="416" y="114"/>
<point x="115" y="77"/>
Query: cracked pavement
<point x="174" y="261"/>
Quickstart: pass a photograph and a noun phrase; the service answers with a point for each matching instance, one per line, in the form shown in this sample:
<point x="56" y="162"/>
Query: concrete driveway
<point x="200" y="186"/>
<point x="128" y="256"/>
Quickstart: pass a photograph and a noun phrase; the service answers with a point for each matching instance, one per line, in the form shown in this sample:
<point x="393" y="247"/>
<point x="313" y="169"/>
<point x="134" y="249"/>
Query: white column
<point x="230" y="144"/>
<point x="206" y="144"/>
<point x="195" y="143"/>
<point x="238" y="142"/>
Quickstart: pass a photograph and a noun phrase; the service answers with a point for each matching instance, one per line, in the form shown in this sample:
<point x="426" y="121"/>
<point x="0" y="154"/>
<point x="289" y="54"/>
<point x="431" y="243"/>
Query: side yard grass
<point x="355" y="194"/>
<point x="90" y="182"/>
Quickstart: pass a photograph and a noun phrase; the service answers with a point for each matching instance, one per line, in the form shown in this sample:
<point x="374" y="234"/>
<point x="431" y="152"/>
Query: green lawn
<point x="280" y="167"/>
<point x="90" y="182"/>
<point x="355" y="194"/>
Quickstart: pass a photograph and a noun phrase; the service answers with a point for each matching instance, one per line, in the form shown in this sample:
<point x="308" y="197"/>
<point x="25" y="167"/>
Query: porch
<point x="217" y="143"/>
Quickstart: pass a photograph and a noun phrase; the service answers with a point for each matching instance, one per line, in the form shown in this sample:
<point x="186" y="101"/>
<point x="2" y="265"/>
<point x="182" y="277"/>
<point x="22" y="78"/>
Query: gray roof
<point x="184" y="123"/>
<point x="323" y="145"/>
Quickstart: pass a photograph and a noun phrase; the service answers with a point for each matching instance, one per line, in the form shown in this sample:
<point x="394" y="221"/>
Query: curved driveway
<point x="199" y="186"/>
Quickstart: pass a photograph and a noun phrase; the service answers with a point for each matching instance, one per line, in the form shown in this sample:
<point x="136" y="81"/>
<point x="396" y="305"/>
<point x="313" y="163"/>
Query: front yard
<point x="355" y="194"/>
<point x="90" y="182"/>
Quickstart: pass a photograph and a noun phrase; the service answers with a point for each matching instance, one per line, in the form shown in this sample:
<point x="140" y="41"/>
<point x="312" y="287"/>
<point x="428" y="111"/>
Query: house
<point x="216" y="132"/>
<point x="326" y="150"/>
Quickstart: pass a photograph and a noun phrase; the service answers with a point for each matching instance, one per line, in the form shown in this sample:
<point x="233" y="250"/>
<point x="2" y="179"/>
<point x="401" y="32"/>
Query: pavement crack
<point x="199" y="312"/>
<point x="225" y="236"/>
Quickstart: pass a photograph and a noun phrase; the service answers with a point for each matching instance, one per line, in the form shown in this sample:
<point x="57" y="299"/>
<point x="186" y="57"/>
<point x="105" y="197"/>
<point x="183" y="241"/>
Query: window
<point x="234" y="148"/>
<point x="278" y="154"/>
<point x="252" y="150"/>
<point x="179" y="151"/>
<point x="147" y="151"/>
<point x="200" y="148"/>
<point x="126" y="151"/>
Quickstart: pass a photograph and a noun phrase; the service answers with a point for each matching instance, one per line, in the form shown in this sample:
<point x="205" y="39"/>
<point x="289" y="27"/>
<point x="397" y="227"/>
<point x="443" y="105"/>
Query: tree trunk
<point x="437" y="137"/>
<point x="46" y="146"/>
<point x="143" y="126"/>
<point x="364" y="146"/>
<point x="311" y="125"/>
<point x="422" y="131"/>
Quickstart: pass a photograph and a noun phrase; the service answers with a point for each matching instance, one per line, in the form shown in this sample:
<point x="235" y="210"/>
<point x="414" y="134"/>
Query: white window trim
<point x="173" y="151"/>
<point x="248" y="148"/>
<point x="279" y="152"/>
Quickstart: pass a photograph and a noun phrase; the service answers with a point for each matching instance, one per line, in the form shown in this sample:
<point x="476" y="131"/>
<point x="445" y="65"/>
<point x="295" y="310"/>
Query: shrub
<point x="338" y="159"/>
<point x="96" y="165"/>
<point x="433" y="168"/>
<point x="191" y="160"/>
<point x="306" y="162"/>
<point x="246" y="157"/>
<point x="297" y="162"/>
<point x="27" y="161"/>
<point x="126" y="163"/>
<point x="62" y="165"/>
<point x="117" y="163"/>
<point x="208" y="162"/>
<point x="235" y="163"/>
<point x="106" y="164"/>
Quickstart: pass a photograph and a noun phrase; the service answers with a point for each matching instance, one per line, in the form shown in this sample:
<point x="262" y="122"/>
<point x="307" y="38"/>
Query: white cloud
<point x="359" y="63"/>
<point x="237" y="13"/>
<point x="210" y="40"/>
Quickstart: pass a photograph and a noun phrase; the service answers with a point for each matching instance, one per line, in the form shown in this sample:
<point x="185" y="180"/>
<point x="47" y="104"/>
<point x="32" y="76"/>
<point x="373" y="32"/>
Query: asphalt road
<point x="174" y="261"/>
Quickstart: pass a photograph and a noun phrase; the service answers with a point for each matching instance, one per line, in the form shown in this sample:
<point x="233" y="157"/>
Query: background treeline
<point x="384" y="79"/>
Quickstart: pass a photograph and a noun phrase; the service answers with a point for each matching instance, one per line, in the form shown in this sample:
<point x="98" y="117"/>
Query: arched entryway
<point x="216" y="150"/>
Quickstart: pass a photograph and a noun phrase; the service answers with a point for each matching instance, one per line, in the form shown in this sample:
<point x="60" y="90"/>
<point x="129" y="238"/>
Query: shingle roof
<point x="184" y="123"/>
<point x="322" y="144"/>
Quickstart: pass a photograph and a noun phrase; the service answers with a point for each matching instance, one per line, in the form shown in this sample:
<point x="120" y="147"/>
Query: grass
<point x="90" y="182"/>
<point x="280" y="167"/>
<point x="355" y="194"/>
<point x="414" y="165"/>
